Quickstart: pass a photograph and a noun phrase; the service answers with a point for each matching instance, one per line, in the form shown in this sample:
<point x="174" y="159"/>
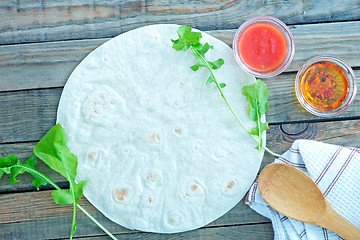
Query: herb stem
<point x="228" y="104"/>
<point x="97" y="223"/>
<point x="78" y="205"/>
<point x="41" y="175"/>
<point x="271" y="152"/>
<point x="73" y="225"/>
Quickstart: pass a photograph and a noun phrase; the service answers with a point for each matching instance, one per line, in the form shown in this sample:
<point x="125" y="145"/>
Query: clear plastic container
<point x="307" y="96"/>
<point x="275" y="24"/>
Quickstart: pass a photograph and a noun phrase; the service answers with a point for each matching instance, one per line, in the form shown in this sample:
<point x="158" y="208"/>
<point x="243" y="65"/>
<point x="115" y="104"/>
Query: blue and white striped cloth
<point x="335" y="169"/>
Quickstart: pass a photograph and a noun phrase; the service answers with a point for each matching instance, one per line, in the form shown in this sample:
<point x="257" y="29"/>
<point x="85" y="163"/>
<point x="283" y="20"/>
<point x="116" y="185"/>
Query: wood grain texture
<point x="30" y="211"/>
<point x="43" y="65"/>
<point x="50" y="20"/>
<point x="23" y="211"/>
<point x="28" y="115"/>
<point x="51" y="37"/>
<point x="241" y="232"/>
<point x="279" y="139"/>
<point x="292" y="193"/>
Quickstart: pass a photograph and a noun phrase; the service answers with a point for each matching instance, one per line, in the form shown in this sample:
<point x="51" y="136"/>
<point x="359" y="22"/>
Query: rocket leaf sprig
<point x="52" y="150"/>
<point x="257" y="93"/>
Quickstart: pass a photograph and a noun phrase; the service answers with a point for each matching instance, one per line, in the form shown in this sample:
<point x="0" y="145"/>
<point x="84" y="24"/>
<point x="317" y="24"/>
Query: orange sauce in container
<point x="324" y="86"/>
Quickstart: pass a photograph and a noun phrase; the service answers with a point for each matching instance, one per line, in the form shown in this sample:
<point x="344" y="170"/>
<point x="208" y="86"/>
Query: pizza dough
<point x="162" y="151"/>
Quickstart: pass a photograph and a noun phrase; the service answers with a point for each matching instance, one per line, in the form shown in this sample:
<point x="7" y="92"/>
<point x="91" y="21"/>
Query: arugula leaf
<point x="11" y="165"/>
<point x="27" y="166"/>
<point x="64" y="197"/>
<point x="7" y="163"/>
<point x="210" y="80"/>
<point x="187" y="38"/>
<point x="216" y="64"/>
<point x="257" y="95"/>
<point x="197" y="65"/>
<point x="202" y="49"/>
<point x="52" y="150"/>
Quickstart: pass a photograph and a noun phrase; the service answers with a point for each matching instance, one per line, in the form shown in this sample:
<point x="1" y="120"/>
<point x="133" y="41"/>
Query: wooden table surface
<point x="41" y="42"/>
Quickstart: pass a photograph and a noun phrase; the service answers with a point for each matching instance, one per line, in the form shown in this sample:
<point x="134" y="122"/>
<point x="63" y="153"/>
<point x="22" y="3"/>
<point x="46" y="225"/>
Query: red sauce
<point x="262" y="46"/>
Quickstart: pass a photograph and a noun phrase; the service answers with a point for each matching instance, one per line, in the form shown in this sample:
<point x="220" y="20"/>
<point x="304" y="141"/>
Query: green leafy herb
<point x="257" y="94"/>
<point x="53" y="151"/>
<point x="12" y="165"/>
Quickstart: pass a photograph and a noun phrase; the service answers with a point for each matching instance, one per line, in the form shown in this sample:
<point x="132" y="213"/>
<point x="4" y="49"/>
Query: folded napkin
<point x="335" y="169"/>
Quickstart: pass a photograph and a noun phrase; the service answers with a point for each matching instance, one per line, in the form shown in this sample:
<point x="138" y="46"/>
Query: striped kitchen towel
<point x="335" y="169"/>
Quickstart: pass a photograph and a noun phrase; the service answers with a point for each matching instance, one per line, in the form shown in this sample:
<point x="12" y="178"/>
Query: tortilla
<point x="162" y="151"/>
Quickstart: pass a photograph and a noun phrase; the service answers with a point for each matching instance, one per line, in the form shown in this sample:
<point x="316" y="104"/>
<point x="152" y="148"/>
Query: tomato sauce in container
<point x="263" y="46"/>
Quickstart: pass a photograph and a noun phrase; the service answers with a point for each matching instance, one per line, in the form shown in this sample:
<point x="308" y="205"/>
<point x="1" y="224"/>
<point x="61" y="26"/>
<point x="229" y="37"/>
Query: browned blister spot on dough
<point x="153" y="176"/>
<point x="194" y="188"/>
<point x="172" y="220"/>
<point x="150" y="199"/>
<point x="230" y="185"/>
<point x="178" y="131"/>
<point x="92" y="155"/>
<point x="154" y="138"/>
<point x="121" y="194"/>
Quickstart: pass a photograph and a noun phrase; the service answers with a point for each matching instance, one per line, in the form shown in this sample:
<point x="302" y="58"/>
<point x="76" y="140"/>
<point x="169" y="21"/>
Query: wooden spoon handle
<point x="336" y="223"/>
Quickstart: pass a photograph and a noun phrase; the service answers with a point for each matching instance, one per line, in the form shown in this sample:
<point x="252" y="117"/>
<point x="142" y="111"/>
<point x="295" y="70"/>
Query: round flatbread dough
<point x="162" y="151"/>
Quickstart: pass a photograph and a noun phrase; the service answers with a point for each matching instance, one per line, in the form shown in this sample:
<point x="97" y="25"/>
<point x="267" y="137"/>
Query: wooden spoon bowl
<point x="294" y="194"/>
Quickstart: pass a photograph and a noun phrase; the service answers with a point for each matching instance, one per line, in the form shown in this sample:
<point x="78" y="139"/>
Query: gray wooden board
<point x="241" y="232"/>
<point x="50" y="20"/>
<point x="43" y="65"/>
<point x="36" y="209"/>
<point x="279" y="139"/>
<point x="51" y="37"/>
<point x="27" y="115"/>
<point x="59" y="229"/>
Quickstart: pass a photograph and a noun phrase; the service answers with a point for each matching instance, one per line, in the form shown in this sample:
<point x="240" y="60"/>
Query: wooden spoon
<point x="292" y="193"/>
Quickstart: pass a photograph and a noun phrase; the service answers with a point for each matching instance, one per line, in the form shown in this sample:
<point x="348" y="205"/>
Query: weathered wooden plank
<point x="36" y="211"/>
<point x="28" y="115"/>
<point x="279" y="139"/>
<point x="242" y="232"/>
<point x="42" y="65"/>
<point x="27" y="21"/>
<point x="26" y="213"/>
